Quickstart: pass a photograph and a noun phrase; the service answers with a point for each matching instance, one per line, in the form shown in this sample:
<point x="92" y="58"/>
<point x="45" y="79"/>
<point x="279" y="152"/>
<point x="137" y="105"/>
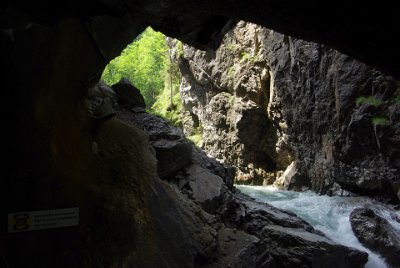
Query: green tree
<point x="169" y="103"/>
<point x="150" y="65"/>
<point x="143" y="62"/>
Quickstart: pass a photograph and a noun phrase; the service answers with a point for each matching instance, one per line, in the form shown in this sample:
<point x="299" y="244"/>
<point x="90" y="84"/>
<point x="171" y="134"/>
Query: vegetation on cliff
<point x="147" y="63"/>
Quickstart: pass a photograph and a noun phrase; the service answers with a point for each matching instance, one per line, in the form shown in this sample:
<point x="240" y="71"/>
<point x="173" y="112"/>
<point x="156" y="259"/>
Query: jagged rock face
<point x="228" y="229"/>
<point x="264" y="93"/>
<point x="229" y="97"/>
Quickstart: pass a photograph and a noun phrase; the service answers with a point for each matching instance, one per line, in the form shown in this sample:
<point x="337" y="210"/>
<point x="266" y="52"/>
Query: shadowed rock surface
<point x="172" y="149"/>
<point x="128" y="95"/>
<point x="366" y="31"/>
<point x="196" y="210"/>
<point x="377" y="234"/>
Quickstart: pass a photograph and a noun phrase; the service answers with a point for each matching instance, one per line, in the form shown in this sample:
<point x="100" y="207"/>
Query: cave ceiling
<point x="367" y="31"/>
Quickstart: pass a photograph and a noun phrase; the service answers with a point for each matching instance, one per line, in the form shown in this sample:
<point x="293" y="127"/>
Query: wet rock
<point x="292" y="247"/>
<point x="284" y="240"/>
<point x="128" y="95"/>
<point x="259" y="213"/>
<point x="337" y="190"/>
<point x="377" y="234"/>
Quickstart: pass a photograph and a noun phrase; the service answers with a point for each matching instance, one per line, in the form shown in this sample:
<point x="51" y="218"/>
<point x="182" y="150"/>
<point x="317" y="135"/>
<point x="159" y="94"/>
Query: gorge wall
<point x="58" y="155"/>
<point x="265" y="101"/>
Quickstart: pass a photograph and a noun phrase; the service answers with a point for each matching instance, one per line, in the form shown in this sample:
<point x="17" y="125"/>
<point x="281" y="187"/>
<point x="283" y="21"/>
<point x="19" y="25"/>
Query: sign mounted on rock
<point x="43" y="219"/>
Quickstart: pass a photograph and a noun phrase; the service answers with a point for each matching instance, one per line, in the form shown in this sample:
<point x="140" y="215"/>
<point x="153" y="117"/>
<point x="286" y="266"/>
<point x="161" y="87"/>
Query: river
<point x="327" y="214"/>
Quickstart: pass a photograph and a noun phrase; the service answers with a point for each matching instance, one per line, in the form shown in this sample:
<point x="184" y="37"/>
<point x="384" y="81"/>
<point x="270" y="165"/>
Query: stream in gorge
<point x="327" y="214"/>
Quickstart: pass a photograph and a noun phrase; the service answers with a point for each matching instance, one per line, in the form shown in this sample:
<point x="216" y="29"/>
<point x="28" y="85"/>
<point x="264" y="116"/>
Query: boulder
<point x="377" y="234"/>
<point x="226" y="172"/>
<point x="173" y="151"/>
<point x="128" y="95"/>
<point x="292" y="179"/>
<point x="100" y="101"/>
<point x="293" y="247"/>
<point x="206" y="188"/>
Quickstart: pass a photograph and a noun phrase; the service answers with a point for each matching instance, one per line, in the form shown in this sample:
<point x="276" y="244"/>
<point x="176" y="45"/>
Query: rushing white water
<point x="327" y="214"/>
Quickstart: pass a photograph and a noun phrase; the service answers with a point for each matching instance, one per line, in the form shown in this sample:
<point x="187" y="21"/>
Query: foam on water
<point x="327" y="214"/>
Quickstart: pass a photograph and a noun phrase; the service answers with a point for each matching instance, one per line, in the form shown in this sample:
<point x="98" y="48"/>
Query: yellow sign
<point x="43" y="219"/>
<point x="20" y="222"/>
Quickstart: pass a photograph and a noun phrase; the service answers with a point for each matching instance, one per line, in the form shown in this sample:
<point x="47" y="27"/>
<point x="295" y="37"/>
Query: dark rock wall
<point x="57" y="155"/>
<point x="61" y="154"/>
<point x="367" y="31"/>
<point x="264" y="97"/>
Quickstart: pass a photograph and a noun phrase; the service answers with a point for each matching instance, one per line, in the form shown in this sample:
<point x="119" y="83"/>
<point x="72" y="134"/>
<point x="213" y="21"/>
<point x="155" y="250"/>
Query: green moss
<point x="380" y="120"/>
<point x="197" y="139"/>
<point x="370" y="100"/>
<point x="231" y="100"/>
<point x="232" y="48"/>
<point x="179" y="49"/>
<point x="231" y="73"/>
<point x="246" y="56"/>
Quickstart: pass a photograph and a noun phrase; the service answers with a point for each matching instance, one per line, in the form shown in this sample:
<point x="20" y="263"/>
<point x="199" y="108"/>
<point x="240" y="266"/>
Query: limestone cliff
<point x="265" y="99"/>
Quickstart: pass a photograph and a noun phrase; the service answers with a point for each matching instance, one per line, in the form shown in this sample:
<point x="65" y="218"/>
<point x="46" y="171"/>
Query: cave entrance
<point x="220" y="99"/>
<point x="149" y="64"/>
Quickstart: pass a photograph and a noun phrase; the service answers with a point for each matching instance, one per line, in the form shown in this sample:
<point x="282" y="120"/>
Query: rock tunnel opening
<point x="210" y="96"/>
<point x="61" y="156"/>
<point x="234" y="100"/>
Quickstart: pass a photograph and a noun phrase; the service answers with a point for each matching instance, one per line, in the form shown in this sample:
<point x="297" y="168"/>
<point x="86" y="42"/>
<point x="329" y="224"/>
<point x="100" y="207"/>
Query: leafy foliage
<point x="380" y="120"/>
<point x="370" y="100"/>
<point x="163" y="106"/>
<point x="148" y="65"/>
<point x="169" y="103"/>
<point x="197" y="136"/>
<point x="143" y="62"/>
<point x="246" y="56"/>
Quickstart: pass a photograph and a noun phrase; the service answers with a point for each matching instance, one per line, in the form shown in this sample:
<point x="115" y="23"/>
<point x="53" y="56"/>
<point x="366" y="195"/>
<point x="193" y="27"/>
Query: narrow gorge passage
<point x="130" y="161"/>
<point x="327" y="214"/>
